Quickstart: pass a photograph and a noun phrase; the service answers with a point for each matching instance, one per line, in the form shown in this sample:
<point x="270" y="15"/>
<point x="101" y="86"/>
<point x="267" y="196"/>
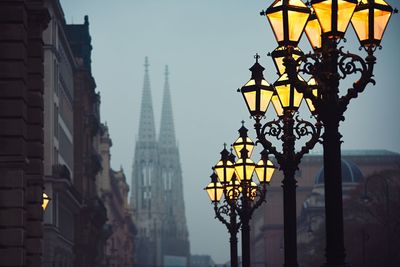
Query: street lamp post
<point x="241" y="195"/>
<point x="287" y="128"/>
<point x="328" y="65"/>
<point x="216" y="191"/>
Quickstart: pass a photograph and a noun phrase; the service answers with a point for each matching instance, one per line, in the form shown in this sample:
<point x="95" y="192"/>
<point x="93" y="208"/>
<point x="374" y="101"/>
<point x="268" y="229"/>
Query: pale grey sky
<point x="209" y="46"/>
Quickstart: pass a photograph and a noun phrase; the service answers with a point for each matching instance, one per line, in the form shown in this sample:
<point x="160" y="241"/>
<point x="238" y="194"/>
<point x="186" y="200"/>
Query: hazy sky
<point x="209" y="46"/>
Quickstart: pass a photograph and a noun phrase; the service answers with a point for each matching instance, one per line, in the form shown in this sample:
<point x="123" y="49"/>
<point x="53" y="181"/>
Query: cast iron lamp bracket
<point x="301" y="129"/>
<point x="366" y="71"/>
<point x="348" y="64"/>
<point x="258" y="194"/>
<point x="226" y="210"/>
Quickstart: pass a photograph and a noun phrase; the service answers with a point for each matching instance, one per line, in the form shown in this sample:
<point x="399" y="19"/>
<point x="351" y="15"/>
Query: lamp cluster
<point x="328" y="18"/>
<point x="325" y="23"/>
<point x="321" y="19"/>
<point x="283" y="95"/>
<point x="234" y="180"/>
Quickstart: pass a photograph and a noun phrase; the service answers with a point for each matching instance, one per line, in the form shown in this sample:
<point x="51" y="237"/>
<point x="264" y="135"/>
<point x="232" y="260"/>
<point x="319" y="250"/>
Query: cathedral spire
<point x="147" y="132"/>
<point x="167" y="131"/>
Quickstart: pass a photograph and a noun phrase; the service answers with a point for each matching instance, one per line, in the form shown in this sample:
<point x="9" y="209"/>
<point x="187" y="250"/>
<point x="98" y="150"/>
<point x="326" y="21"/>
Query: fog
<point x="209" y="46"/>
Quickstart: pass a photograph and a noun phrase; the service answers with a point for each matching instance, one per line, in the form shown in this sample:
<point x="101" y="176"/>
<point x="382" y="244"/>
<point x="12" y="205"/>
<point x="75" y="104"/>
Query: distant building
<point x="113" y="191"/>
<point x="267" y="223"/>
<point x="157" y="191"/>
<point x="201" y="261"/>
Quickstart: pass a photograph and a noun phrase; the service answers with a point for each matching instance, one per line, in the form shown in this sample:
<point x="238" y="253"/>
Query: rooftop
<point x="359" y="152"/>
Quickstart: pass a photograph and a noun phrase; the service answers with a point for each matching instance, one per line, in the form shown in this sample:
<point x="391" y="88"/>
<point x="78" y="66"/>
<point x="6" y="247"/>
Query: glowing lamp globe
<point x="287" y="19"/>
<point x="214" y="189"/>
<point x="243" y="142"/>
<point x="288" y="95"/>
<point x="265" y="169"/>
<point x="314" y="32"/>
<point x="334" y="16"/>
<point x="257" y="91"/>
<point x="370" y="20"/>
<point x="244" y="168"/>
<point x="224" y="168"/>
<point x="46" y="200"/>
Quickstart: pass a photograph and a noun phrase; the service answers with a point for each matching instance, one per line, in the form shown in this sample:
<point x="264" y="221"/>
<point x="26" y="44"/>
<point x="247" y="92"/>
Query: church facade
<point x="157" y="190"/>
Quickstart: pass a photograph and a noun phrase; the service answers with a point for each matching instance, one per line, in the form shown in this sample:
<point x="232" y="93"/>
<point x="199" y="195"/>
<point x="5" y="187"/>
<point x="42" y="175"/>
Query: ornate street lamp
<point x="46" y="200"/>
<point x="214" y="189"/>
<point x="370" y="20"/>
<point x="327" y="65"/>
<point x="223" y="192"/>
<point x="287" y="128"/>
<point x="257" y="92"/>
<point x="224" y="168"/>
<point x="265" y="168"/>
<point x="243" y="142"/>
<point x="287" y="19"/>
<point x="241" y="196"/>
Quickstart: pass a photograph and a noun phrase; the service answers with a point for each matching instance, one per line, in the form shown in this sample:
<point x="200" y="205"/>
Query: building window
<point x="66" y="148"/>
<point x="167" y="180"/>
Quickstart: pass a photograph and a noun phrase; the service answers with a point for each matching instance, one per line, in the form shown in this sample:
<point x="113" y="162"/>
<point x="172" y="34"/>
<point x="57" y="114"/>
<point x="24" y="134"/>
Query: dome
<point x="350" y="173"/>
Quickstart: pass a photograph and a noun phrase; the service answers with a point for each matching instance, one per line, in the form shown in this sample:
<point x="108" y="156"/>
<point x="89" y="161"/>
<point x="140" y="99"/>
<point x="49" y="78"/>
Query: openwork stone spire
<point x="167" y="130"/>
<point x="157" y="186"/>
<point x="147" y="132"/>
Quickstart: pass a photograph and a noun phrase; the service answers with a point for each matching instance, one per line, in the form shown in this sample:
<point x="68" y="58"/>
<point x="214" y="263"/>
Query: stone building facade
<point x="21" y="133"/>
<point x="59" y="69"/>
<point x="50" y="138"/>
<point x="75" y="217"/>
<point x="113" y="191"/>
<point x="157" y="191"/>
<point x="267" y="223"/>
<point x="89" y="233"/>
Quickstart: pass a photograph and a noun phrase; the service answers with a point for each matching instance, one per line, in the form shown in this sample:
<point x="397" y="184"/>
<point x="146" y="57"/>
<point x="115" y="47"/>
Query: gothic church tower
<point x="175" y="234"/>
<point x="146" y="185"/>
<point x="157" y="192"/>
